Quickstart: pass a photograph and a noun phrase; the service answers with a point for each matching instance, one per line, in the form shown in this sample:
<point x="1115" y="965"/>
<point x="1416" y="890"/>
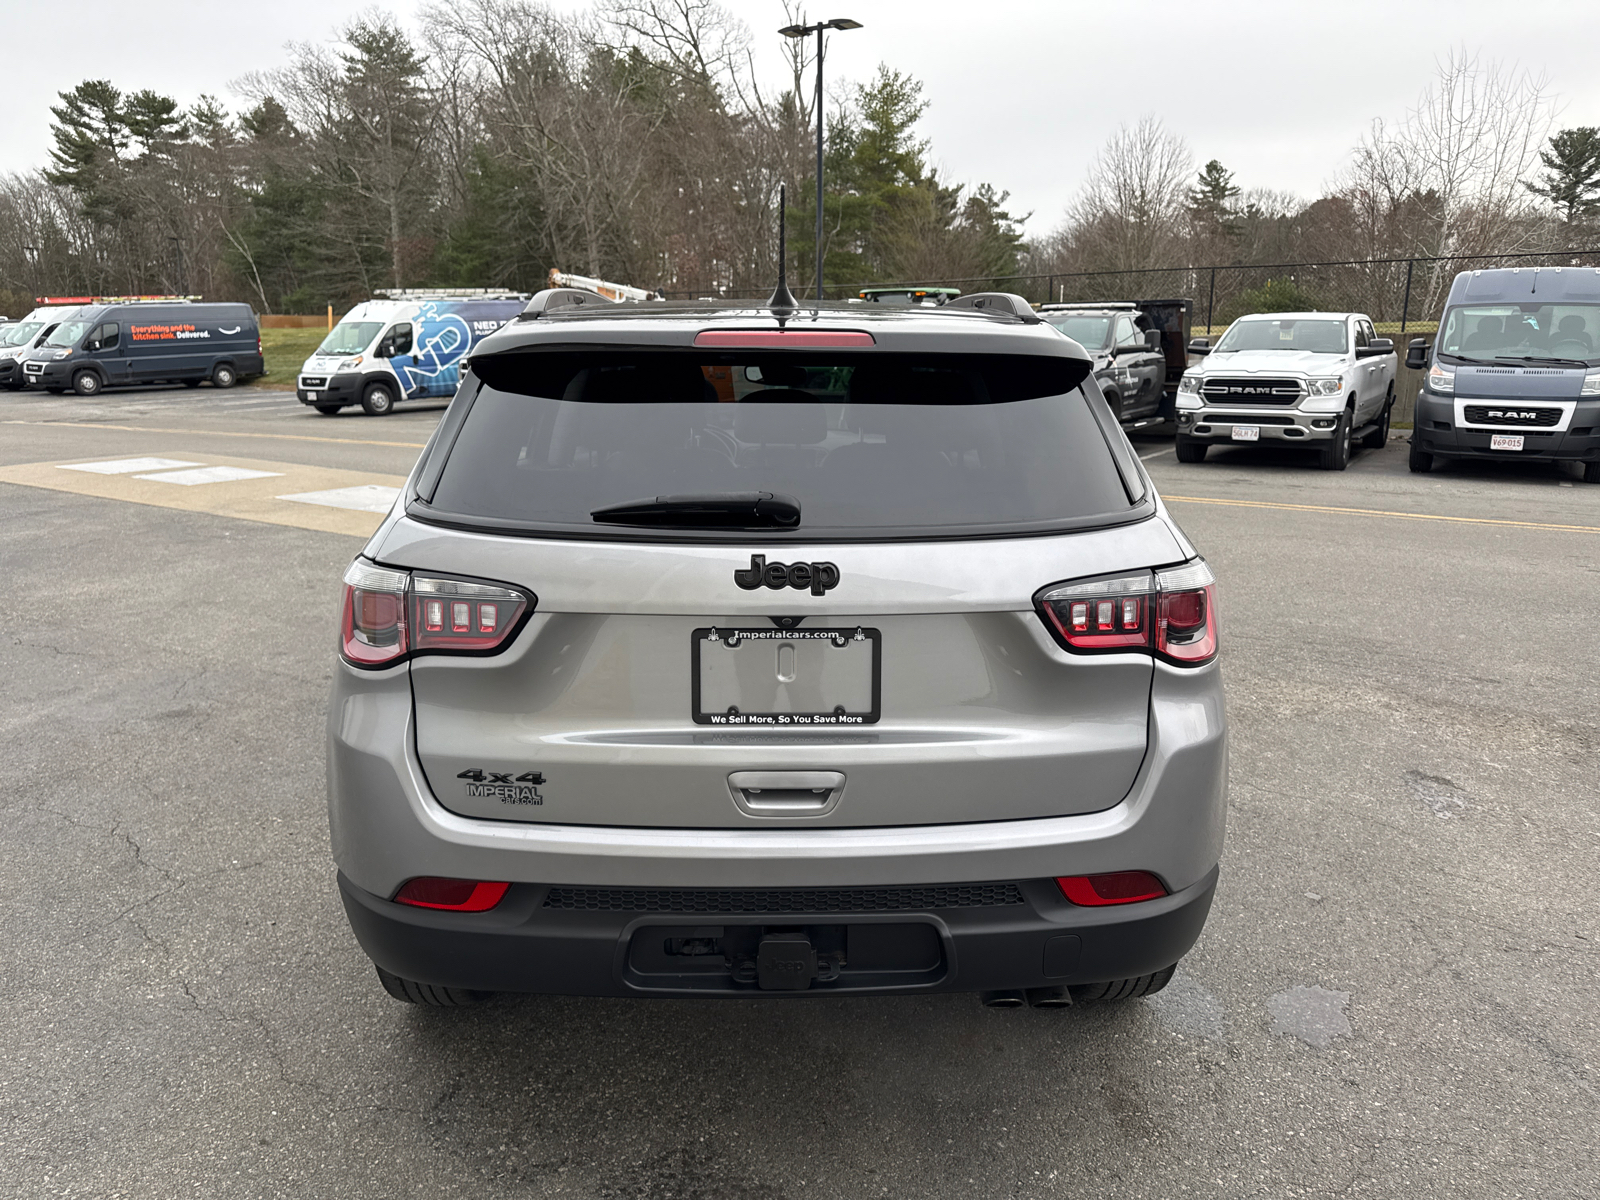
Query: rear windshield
<point x="1089" y="332"/>
<point x="904" y="446"/>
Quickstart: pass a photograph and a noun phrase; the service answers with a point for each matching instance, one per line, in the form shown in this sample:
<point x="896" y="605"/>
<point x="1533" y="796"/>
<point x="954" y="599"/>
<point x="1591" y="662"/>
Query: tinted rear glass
<point x="902" y="446"/>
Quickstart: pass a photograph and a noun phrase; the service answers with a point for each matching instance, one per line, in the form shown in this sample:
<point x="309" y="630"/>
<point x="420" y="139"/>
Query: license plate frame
<point x="312" y="396"/>
<point x="1506" y="441"/>
<point x="1246" y="433"/>
<point x="861" y="637"/>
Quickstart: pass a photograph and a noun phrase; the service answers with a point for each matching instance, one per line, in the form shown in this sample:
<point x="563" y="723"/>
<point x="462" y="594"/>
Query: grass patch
<point x="285" y="351"/>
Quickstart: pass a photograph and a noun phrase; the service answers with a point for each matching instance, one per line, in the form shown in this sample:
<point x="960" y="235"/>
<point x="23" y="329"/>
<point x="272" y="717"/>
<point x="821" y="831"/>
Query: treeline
<point x="1471" y="170"/>
<point x="498" y="141"/>
<point x="501" y="138"/>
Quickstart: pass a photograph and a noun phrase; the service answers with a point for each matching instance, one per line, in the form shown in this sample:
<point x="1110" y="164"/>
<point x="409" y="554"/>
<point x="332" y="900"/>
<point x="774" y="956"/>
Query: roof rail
<point x="1005" y="304"/>
<point x="449" y="294"/>
<point x="551" y="299"/>
<point x="1103" y="306"/>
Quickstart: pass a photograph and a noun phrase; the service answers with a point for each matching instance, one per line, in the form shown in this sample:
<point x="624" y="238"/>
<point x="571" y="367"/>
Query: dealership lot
<point x="1395" y="996"/>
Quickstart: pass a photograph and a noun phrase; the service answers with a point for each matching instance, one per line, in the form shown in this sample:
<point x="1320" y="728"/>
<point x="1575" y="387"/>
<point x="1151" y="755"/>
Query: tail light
<point x="1171" y="613"/>
<point x="452" y="895"/>
<point x="1119" y="887"/>
<point x="389" y="615"/>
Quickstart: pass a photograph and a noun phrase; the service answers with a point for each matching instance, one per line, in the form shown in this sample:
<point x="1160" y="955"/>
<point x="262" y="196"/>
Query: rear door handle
<point x="786" y="793"/>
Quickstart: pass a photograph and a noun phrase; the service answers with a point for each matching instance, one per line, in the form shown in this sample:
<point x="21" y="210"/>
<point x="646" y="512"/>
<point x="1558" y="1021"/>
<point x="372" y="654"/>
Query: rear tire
<point x="1420" y="461"/>
<point x="1379" y="437"/>
<point x="429" y="995"/>
<point x="1335" y="455"/>
<point x="378" y="400"/>
<point x="327" y="410"/>
<point x="1591" y="472"/>
<point x="224" y="376"/>
<point x="86" y="383"/>
<point x="1124" y="989"/>
<point x="1188" y="450"/>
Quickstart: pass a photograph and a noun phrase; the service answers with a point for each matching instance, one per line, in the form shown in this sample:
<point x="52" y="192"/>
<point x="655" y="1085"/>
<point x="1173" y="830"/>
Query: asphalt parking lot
<point x="1397" y="995"/>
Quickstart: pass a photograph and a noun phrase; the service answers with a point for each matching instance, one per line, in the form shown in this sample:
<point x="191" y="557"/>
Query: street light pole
<point x="800" y="31"/>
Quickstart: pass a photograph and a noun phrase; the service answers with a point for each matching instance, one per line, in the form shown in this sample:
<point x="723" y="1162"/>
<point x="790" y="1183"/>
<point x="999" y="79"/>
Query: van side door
<point x="104" y="347"/>
<point x="397" y="346"/>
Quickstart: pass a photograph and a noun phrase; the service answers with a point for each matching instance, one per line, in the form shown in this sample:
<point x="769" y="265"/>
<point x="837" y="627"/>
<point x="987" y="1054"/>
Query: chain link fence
<point x="1403" y="296"/>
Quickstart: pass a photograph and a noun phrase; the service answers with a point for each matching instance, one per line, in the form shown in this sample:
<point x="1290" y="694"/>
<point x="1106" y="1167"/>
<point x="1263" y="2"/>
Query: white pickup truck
<point x="1322" y="380"/>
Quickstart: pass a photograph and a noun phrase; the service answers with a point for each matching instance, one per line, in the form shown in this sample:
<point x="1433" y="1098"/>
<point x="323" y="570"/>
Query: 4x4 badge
<point x="820" y="577"/>
<point x="499" y="785"/>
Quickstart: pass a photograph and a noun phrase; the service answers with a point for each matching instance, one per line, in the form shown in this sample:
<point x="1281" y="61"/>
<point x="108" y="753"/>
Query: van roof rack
<point x="115" y="299"/>
<point x="449" y="294"/>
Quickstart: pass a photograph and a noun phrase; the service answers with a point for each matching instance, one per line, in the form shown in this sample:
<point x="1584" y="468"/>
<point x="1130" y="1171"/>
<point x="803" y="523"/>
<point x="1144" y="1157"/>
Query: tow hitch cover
<point x="785" y="962"/>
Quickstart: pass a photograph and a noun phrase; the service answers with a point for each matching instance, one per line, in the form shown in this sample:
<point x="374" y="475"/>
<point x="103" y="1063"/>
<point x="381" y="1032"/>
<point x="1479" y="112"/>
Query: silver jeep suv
<point x="724" y="650"/>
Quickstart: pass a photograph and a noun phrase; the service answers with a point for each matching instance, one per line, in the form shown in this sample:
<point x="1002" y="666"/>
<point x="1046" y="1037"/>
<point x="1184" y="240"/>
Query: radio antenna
<point x="782" y="297"/>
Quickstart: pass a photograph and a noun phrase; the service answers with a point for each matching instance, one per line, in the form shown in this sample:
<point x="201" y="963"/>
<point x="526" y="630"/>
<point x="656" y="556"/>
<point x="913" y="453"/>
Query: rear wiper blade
<point x="711" y="510"/>
<point x="1539" y="358"/>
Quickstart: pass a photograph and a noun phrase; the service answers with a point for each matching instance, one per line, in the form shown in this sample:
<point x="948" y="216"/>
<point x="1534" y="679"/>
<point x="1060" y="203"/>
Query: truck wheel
<point x="327" y="410"/>
<point x="1189" y="450"/>
<point x="1591" y="472"/>
<point x="224" y="376"/>
<point x="428" y="994"/>
<point x="378" y="400"/>
<point x="86" y="383"/>
<point x="1420" y="461"/>
<point x="1124" y="989"/>
<point x="1335" y="455"/>
<point x="1379" y="437"/>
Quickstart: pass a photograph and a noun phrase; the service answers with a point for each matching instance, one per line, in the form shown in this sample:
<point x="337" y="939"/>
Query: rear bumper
<point x="530" y="943"/>
<point x="1434" y="431"/>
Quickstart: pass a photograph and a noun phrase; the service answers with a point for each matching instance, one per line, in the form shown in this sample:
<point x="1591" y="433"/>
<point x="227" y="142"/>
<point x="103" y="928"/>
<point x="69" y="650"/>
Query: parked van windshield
<point x="908" y="445"/>
<point x="20" y="333"/>
<point x="68" y="333"/>
<point x="1307" y="336"/>
<point x="1523" y="331"/>
<point x="1088" y="332"/>
<point x="350" y="337"/>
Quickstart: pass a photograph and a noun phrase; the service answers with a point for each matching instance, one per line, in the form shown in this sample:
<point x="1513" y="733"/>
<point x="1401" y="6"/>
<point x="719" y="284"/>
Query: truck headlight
<point x="60" y="354"/>
<point x="1591" y="385"/>
<point x="1332" y="386"/>
<point x="1441" y="379"/>
<point x="1189" y="383"/>
<point x="350" y="364"/>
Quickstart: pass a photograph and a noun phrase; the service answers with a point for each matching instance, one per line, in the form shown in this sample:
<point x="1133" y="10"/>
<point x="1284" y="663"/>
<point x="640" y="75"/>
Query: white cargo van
<point x="406" y="346"/>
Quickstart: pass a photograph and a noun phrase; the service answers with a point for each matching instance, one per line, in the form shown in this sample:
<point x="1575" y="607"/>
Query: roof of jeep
<point x="656" y="324"/>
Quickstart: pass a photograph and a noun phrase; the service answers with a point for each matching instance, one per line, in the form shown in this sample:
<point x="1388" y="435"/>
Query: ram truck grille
<point x="1251" y="391"/>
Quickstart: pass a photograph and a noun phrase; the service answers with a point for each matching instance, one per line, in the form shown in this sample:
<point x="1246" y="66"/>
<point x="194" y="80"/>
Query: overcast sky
<point x="1021" y="93"/>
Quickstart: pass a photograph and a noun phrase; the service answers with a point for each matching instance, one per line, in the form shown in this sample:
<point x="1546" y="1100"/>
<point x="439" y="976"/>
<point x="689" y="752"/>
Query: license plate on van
<point x="1247" y="433"/>
<point x="1505" y="441"/>
<point x="788" y="678"/>
<point x="311" y="396"/>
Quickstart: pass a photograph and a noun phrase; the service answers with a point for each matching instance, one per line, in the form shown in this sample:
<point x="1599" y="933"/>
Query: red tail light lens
<point x="390" y="614"/>
<point x="1120" y="887"/>
<point x="1171" y="613"/>
<point x="374" y="628"/>
<point x="452" y="895"/>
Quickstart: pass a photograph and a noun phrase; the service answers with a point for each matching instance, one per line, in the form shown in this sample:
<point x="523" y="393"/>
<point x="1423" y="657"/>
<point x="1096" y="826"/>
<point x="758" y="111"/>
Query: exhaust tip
<point x="1050" y="997"/>
<point x="1012" y="998"/>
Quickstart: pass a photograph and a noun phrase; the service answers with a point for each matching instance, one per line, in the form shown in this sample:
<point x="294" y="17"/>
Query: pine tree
<point x="1572" y="173"/>
<point x="1211" y="200"/>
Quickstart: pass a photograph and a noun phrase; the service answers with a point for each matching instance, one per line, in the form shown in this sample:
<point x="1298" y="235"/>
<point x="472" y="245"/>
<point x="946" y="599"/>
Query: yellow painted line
<point x="244" y="499"/>
<point x="282" y="437"/>
<point x="1378" y="512"/>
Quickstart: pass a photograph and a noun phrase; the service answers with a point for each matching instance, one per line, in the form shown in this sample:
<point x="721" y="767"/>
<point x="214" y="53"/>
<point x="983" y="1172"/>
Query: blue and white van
<point x="407" y="346"/>
<point x="1514" y="371"/>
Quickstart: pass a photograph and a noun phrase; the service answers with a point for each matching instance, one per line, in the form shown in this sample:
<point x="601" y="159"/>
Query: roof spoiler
<point x="551" y="299"/>
<point x="1005" y="304"/>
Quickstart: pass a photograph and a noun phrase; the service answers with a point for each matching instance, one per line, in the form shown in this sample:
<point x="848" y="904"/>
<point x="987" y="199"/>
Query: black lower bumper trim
<point x="526" y="945"/>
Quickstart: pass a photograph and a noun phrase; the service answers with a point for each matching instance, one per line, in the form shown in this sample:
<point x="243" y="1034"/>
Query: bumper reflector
<point x="1120" y="887"/>
<point x="452" y="895"/>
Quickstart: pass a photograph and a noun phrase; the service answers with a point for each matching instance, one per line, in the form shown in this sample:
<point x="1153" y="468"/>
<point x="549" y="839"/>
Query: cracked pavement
<point x="1396" y="996"/>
